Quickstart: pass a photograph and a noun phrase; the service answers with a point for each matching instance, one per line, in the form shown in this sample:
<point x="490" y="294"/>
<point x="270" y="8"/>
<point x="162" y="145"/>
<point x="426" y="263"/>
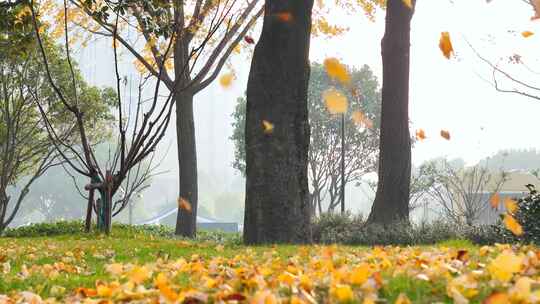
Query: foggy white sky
<point x="451" y="94"/>
<point x="445" y="94"/>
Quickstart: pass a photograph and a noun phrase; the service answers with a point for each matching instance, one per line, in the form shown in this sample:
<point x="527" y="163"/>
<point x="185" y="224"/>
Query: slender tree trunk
<point x="186" y="220"/>
<point x="4" y="200"/>
<point x="89" y="211"/>
<point x="277" y="193"/>
<point x="392" y="198"/>
<point x="187" y="158"/>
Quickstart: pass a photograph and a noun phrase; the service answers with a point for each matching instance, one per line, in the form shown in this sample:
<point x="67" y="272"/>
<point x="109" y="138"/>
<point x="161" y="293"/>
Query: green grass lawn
<point x="131" y="265"/>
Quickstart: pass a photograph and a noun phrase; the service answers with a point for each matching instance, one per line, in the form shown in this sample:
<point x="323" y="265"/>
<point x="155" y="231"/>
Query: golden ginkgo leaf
<point x="495" y="200"/>
<point x="139" y="274"/>
<point x="360" y="274"/>
<point x="162" y="284"/>
<point x="343" y="293"/>
<point x="284" y="16"/>
<point x="527" y="34"/>
<point x="510" y="205"/>
<point x="115" y="269"/>
<point x="505" y="265"/>
<point x="184" y="204"/>
<point x="268" y="127"/>
<point x="402" y="299"/>
<point x="420" y="134"/>
<point x="336" y="102"/>
<point x="226" y="80"/>
<point x="337" y="70"/>
<point x="361" y="119"/>
<point x="512" y="224"/>
<point x="445" y="44"/>
<point x="445" y="134"/>
<point x="497" y="297"/>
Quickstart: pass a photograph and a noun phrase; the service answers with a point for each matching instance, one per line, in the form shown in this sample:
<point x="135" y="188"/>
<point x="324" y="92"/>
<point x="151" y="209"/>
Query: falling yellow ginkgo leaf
<point x="511" y="224"/>
<point x="495" y="200"/>
<point x="226" y="80"/>
<point x="445" y="134"/>
<point x="510" y="205"/>
<point x="420" y="134"/>
<point x="360" y="118"/>
<point x="336" y="102"/>
<point x="184" y="204"/>
<point x="527" y="34"/>
<point x="284" y="16"/>
<point x="445" y="44"/>
<point x="268" y="127"/>
<point x="337" y="70"/>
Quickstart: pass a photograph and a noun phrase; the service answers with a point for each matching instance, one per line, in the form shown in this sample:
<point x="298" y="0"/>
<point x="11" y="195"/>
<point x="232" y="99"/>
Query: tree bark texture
<point x="89" y="211"/>
<point x="392" y="198"/>
<point x="277" y="195"/>
<point x="187" y="158"/>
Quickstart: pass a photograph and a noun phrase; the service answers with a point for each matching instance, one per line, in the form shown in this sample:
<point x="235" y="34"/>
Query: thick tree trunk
<point x="277" y="194"/>
<point x="392" y="198"/>
<point x="187" y="158"/>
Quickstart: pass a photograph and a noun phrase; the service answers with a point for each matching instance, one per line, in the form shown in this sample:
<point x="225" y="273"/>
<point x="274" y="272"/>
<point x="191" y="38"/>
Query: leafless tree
<point x="421" y="182"/>
<point x="505" y="70"/>
<point x="324" y="164"/>
<point x="140" y="126"/>
<point x="462" y="194"/>
<point x="195" y="60"/>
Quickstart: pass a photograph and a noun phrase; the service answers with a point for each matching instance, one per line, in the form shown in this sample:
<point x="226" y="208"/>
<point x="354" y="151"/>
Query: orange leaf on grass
<point x="162" y="284"/>
<point x="86" y="292"/>
<point x="497" y="297"/>
<point x="139" y="274"/>
<point x="462" y="255"/>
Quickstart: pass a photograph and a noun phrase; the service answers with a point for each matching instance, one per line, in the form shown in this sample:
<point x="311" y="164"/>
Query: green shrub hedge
<point x="351" y="230"/>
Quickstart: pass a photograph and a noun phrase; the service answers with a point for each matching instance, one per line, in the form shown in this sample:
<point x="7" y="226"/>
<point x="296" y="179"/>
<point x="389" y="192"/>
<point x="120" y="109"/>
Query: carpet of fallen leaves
<point x="185" y="272"/>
